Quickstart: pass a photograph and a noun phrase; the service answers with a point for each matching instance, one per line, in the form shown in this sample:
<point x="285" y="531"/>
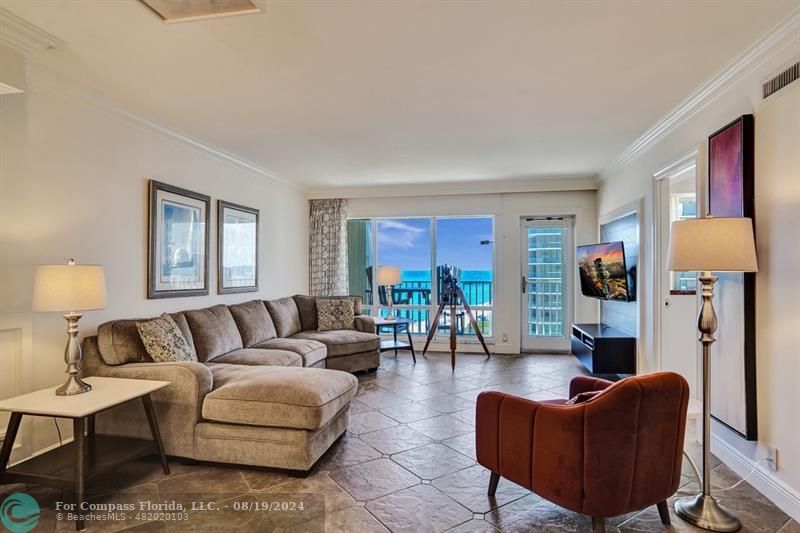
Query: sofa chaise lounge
<point x="267" y="388"/>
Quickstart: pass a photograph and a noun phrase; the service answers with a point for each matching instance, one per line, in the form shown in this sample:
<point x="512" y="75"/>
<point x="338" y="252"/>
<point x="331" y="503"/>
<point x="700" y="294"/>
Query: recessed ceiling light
<point x="183" y="10"/>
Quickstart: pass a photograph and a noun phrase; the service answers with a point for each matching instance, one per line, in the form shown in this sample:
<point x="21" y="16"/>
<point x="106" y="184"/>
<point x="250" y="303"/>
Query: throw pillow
<point x="583" y="397"/>
<point x="335" y="314"/>
<point x="164" y="341"/>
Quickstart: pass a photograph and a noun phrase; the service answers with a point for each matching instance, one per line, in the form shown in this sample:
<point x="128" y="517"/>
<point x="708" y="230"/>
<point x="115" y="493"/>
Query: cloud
<point x="399" y="234"/>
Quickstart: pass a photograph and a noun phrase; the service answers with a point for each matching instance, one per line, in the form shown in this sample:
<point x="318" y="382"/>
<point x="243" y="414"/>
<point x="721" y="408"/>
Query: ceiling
<point x="347" y="93"/>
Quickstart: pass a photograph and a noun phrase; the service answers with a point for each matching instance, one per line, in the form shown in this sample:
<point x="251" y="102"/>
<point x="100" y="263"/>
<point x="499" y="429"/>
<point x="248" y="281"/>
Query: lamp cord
<point x="745" y="478"/>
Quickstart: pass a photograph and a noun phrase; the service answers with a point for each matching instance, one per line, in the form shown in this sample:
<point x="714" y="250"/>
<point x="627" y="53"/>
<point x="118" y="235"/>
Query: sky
<point x="406" y="243"/>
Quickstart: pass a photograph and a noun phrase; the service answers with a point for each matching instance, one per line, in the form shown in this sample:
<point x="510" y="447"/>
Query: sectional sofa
<point x="267" y="389"/>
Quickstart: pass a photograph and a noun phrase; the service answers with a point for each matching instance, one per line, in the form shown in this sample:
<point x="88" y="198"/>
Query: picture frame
<point x="237" y="248"/>
<point x="731" y="193"/>
<point x="178" y="242"/>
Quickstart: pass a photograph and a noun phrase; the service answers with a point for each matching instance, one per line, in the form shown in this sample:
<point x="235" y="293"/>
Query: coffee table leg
<point x="411" y="344"/>
<point x="395" y="340"/>
<point x="151" y="419"/>
<point x="8" y="441"/>
<point x="78" y="428"/>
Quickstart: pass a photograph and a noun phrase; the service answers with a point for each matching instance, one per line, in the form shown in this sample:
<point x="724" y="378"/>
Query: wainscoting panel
<point x="15" y="370"/>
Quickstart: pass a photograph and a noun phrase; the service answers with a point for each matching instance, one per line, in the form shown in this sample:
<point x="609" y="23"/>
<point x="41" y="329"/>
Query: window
<point x="546" y="279"/>
<point x="420" y="248"/>
<point x="683" y="206"/>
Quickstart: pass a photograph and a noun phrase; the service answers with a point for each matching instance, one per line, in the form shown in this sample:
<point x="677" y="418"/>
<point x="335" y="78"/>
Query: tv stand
<point x="603" y="349"/>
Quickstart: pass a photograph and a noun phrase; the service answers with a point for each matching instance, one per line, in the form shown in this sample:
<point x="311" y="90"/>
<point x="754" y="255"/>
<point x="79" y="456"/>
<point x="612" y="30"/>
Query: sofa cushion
<point x="256" y="356"/>
<point x="343" y="341"/>
<point x="254" y="323"/>
<point x="285" y="316"/>
<point x="335" y="314"/>
<point x="119" y="341"/>
<point x="214" y="331"/>
<point x="164" y="341"/>
<point x="276" y="396"/>
<point x="312" y="352"/>
<point x="307" y="307"/>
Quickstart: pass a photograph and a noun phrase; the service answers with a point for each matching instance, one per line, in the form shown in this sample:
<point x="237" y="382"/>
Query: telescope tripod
<point x="453" y="293"/>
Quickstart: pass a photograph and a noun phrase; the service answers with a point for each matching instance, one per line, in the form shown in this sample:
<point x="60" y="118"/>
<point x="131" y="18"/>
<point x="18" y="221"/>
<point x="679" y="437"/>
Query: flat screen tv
<point x="603" y="272"/>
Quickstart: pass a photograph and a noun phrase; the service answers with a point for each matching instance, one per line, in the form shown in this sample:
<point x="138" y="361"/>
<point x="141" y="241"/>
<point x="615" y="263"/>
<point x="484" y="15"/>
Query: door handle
<point x="523" y="284"/>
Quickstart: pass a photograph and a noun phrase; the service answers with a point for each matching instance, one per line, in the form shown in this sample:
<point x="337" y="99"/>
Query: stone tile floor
<point x="406" y="464"/>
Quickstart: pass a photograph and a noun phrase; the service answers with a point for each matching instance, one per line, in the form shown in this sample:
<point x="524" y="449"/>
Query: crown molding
<point x="499" y="186"/>
<point x="41" y="78"/>
<point x="23" y="36"/>
<point x="782" y="35"/>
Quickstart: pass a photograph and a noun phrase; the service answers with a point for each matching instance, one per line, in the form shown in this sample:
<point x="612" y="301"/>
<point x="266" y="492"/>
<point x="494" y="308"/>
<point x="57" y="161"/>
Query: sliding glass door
<point x="546" y="284"/>
<point x="421" y="248"/>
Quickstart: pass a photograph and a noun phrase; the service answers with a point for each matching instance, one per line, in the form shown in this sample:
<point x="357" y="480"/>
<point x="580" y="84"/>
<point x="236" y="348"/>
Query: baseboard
<point x="777" y="491"/>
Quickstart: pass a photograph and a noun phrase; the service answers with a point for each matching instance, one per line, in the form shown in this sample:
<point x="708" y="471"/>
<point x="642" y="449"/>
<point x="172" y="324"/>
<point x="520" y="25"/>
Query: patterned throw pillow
<point x="335" y="313"/>
<point x="164" y="341"/>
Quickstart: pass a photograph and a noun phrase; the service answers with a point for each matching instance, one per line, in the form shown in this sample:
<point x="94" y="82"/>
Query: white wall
<point x="508" y="209"/>
<point x="73" y="184"/>
<point x="777" y="147"/>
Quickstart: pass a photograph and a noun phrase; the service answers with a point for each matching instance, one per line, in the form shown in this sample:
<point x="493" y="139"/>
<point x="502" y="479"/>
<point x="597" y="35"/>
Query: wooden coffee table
<point x="73" y="465"/>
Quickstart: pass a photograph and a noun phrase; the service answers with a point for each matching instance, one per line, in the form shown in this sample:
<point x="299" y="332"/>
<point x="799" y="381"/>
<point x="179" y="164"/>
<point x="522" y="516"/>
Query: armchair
<point x="616" y="452"/>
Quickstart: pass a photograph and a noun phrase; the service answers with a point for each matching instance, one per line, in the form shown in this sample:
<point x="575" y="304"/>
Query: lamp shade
<point x="69" y="287"/>
<point x="712" y="245"/>
<point x="389" y="275"/>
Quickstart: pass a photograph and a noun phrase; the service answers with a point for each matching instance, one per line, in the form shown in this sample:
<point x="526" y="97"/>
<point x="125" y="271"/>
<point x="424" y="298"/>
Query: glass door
<point x="546" y="284"/>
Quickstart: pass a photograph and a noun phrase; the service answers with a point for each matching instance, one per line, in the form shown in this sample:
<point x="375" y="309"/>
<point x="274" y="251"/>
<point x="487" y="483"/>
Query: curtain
<point x="358" y="259"/>
<point x="327" y="255"/>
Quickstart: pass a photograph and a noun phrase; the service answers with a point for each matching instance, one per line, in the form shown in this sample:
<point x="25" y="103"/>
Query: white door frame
<point x="694" y="158"/>
<point x="548" y="344"/>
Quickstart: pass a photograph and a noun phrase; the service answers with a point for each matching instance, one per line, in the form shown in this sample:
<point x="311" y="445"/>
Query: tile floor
<point x="407" y="464"/>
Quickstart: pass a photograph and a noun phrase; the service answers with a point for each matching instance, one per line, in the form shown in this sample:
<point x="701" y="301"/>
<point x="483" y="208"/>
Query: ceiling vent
<point x="780" y="81"/>
<point x="185" y="10"/>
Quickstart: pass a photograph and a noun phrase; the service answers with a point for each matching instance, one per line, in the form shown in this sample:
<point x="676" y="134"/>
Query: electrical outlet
<point x="772" y="459"/>
<point x="505" y="337"/>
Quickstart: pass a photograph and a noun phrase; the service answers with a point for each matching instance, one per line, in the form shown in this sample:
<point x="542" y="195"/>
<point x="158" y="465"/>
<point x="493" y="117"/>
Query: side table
<point x="402" y="324"/>
<point x="88" y="456"/>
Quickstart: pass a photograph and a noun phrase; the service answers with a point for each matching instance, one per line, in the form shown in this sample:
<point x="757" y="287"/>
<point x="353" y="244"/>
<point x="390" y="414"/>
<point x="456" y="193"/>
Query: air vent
<point x="185" y="10"/>
<point x="781" y="80"/>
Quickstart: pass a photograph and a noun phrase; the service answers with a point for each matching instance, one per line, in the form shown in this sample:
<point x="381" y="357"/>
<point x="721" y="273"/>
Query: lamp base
<point x="389" y="318"/>
<point x="73" y="385"/>
<point x="703" y="511"/>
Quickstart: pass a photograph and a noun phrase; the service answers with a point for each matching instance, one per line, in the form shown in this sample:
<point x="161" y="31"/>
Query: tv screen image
<point x="603" y="272"/>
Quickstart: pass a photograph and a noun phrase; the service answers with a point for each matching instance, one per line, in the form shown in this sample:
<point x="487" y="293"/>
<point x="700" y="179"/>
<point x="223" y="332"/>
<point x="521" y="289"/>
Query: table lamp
<point x="389" y="276"/>
<point x="709" y="245"/>
<point x="70" y="288"/>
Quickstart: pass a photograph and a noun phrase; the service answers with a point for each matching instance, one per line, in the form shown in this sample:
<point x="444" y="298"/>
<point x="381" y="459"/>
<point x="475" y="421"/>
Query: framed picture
<point x="731" y="194"/>
<point x="179" y="241"/>
<point x="237" y="255"/>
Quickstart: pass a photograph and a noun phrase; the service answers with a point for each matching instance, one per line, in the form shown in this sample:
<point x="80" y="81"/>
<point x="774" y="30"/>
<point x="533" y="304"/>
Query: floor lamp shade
<point x="71" y="287"/>
<point x="712" y="245"/>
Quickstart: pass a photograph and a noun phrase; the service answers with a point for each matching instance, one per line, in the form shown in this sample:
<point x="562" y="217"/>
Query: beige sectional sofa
<point x="267" y="388"/>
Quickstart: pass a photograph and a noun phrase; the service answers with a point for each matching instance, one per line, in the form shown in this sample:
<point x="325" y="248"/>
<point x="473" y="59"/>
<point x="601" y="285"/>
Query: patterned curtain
<point x="327" y="256"/>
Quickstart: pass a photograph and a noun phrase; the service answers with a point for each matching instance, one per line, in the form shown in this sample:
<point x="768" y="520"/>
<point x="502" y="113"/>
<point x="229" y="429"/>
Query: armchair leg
<point x="663" y="512"/>
<point x="598" y="525"/>
<point x="493" y="481"/>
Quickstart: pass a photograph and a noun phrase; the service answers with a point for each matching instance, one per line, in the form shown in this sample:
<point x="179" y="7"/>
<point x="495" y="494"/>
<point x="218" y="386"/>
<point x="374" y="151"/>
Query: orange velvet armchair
<point x="618" y="451"/>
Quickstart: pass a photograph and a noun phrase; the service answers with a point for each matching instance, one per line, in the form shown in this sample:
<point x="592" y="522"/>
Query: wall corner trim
<point x="779" y="37"/>
<point x="23" y="36"/>
<point x="45" y="80"/>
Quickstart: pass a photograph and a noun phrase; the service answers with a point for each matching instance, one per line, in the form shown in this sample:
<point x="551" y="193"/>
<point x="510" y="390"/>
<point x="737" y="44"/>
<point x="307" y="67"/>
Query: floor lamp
<point x="709" y="245"/>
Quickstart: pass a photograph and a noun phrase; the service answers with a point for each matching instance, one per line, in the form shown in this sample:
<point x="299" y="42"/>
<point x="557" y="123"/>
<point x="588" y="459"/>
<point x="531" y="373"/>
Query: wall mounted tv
<point x="604" y="273"/>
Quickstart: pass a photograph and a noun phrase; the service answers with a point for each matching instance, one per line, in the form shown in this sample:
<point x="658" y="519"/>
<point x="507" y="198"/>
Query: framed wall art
<point x="237" y="250"/>
<point x="731" y="193"/>
<point x="178" y="242"/>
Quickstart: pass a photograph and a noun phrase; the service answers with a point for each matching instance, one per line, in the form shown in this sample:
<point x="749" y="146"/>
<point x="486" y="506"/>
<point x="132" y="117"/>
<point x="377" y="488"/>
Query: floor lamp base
<point x="703" y="511"/>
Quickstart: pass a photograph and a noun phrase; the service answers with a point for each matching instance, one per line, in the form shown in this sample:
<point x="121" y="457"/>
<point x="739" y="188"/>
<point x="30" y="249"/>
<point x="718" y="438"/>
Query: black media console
<point x="603" y="349"/>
